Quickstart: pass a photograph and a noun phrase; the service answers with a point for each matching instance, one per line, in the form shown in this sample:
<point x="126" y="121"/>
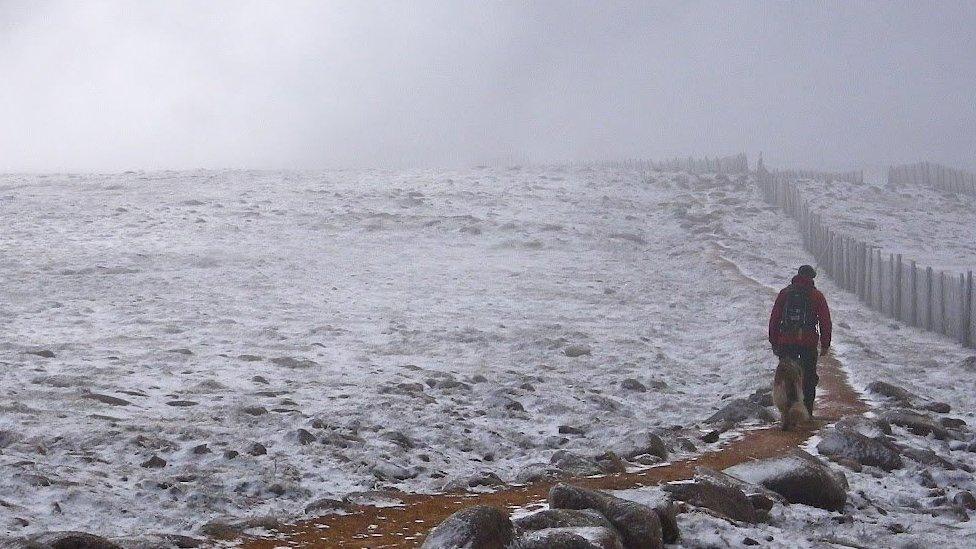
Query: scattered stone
<point x="255" y="410"/>
<point x="257" y="449"/>
<point x="478" y="527"/>
<point x="852" y="445"/>
<point x="481" y="479"/>
<point x="304" y="437"/>
<point x="537" y="472"/>
<point x="201" y="449"/>
<point x="937" y="407"/>
<point x="869" y="427"/>
<point x="231" y="454"/>
<point x="928" y="457"/>
<point x="952" y="423"/>
<point x="894" y="392"/>
<point x="504" y="402"/>
<point x="324" y="505"/>
<point x="575" y="464"/>
<point x="562" y="518"/>
<point x="916" y="423"/>
<point x="391" y="471"/>
<point x="710" y="437"/>
<point x="154" y="462"/>
<point x="577" y="350"/>
<point x="571" y="538"/>
<point x="181" y="403"/>
<point x="762" y="396"/>
<point x="478" y="378"/>
<point x="106" y="399"/>
<point x="181" y="351"/>
<point x="610" y="463"/>
<point x="44" y="353"/>
<point x="290" y="362"/>
<point x="749" y="541"/>
<point x="646" y="459"/>
<point x="635" y="444"/>
<point x="964" y="499"/>
<point x="570" y="430"/>
<point x="70" y="540"/>
<point x="740" y="410"/>
<point x="762" y="499"/>
<point x="399" y="438"/>
<point x="631" y="384"/>
<point x="252" y="358"/>
<point x="724" y="499"/>
<point x="260" y="379"/>
<point x="639" y="525"/>
<point x="798" y="477"/>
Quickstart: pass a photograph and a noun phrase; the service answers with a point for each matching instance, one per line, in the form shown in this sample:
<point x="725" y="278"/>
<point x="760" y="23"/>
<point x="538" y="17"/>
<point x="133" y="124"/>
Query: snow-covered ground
<point x="232" y="308"/>
<point x="415" y="325"/>
<point x="933" y="227"/>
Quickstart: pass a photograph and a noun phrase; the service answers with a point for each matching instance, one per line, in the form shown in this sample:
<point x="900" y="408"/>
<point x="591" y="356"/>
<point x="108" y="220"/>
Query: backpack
<point x="798" y="312"/>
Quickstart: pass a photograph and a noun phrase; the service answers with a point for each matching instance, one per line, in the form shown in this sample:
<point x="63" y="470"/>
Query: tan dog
<point x="788" y="393"/>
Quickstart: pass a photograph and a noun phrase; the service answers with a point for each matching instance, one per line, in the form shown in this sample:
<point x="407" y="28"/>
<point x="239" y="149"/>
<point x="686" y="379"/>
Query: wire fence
<point x="917" y="295"/>
<point x="933" y="175"/>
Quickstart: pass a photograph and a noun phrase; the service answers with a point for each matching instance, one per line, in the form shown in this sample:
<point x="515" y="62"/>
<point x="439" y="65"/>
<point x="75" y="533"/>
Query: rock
<point x="181" y="351"/>
<point x="70" y="540"/>
<point x="710" y="437"/>
<point x="635" y="444"/>
<point x="537" y="472"/>
<point x="903" y="396"/>
<point x="569" y="430"/>
<point x="304" y="437"/>
<point x="106" y="399"/>
<point x="255" y="410"/>
<point x="399" y="438"/>
<point x="324" y="505"/>
<point x="463" y="483"/>
<point x="726" y="500"/>
<point x="639" y="525"/>
<point x="852" y="445"/>
<point x="927" y="457"/>
<point x="762" y="499"/>
<point x="181" y="403"/>
<point x="231" y="454"/>
<point x="577" y="350"/>
<point x="201" y="449"/>
<point x="762" y="396"/>
<point x="964" y="499"/>
<point x="259" y="379"/>
<point x="504" y="402"/>
<point x="562" y="518"/>
<point x="154" y="462"/>
<point x="631" y="384"/>
<point x="954" y="512"/>
<point x="575" y="464"/>
<point x="478" y="527"/>
<point x="916" y="423"/>
<point x="290" y="362"/>
<point x="610" y="463"/>
<point x="570" y="538"/>
<point x="646" y="459"/>
<point x="44" y="353"/>
<point x="925" y="478"/>
<point x="253" y="358"/>
<point x="869" y="427"/>
<point x="740" y="410"/>
<point x="391" y="471"/>
<point x="937" y="407"/>
<point x="798" y="477"/>
<point x="952" y="423"/>
<point x="257" y="449"/>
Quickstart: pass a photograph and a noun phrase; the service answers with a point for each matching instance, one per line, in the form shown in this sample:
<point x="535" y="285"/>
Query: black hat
<point x="807" y="271"/>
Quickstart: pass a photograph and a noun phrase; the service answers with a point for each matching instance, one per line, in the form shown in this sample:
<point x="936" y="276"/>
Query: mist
<point x="108" y="86"/>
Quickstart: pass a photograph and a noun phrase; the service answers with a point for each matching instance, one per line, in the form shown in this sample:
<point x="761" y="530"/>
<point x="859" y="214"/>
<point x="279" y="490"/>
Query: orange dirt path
<point x="408" y="525"/>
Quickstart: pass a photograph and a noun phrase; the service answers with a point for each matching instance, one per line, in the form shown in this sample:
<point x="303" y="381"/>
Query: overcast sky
<point x="126" y="85"/>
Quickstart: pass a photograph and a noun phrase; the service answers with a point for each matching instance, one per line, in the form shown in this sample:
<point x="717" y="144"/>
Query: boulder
<point x="536" y="472"/>
<point x="798" y="477"/>
<point x="562" y="518"/>
<point x="740" y="410"/>
<point x="928" y="457"/>
<point x="852" y="445"/>
<point x="762" y="396"/>
<point x="577" y="350"/>
<point x="964" y="499"/>
<point x="69" y="540"/>
<point x="937" y="407"/>
<point x="632" y="384"/>
<point x="478" y="527"/>
<point x="869" y="427"/>
<point x="919" y="424"/>
<point x="610" y="462"/>
<point x="639" y="525"/>
<point x="481" y="479"/>
<point x="952" y="423"/>
<point x="571" y="538"/>
<point x="635" y="444"/>
<point x="762" y="499"/>
<point x="722" y="498"/>
<point x="575" y="464"/>
<point x="894" y="392"/>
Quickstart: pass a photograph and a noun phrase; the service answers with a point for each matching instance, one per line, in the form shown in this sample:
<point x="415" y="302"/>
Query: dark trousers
<point x="807" y="357"/>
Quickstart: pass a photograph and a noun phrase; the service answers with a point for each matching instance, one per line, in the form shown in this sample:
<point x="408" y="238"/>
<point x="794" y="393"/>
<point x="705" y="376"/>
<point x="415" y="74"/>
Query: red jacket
<point x="806" y="338"/>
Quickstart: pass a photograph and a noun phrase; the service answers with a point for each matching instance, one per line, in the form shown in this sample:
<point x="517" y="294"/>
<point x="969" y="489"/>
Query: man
<point x="799" y="309"/>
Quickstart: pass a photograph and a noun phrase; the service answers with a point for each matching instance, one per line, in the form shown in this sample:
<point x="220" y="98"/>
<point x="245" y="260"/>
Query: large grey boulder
<point x="848" y="444"/>
<point x="478" y="527"/>
<point x="571" y="538"/>
<point x="562" y="518"/>
<point x="740" y="410"/>
<point x="575" y="464"/>
<point x="722" y="498"/>
<point x="635" y="444"/>
<point x="919" y="424"/>
<point x="67" y="540"/>
<point x="639" y="525"/>
<point x="760" y="497"/>
<point x="798" y="477"/>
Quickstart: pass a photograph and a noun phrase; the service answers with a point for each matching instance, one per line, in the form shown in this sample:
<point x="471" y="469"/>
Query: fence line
<point x="934" y="300"/>
<point x="738" y="163"/>
<point x="933" y="175"/>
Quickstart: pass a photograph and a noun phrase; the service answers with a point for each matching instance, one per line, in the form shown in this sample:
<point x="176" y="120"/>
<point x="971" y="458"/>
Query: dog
<point x="788" y="393"/>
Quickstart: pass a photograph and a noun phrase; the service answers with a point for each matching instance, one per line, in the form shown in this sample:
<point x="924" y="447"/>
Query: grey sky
<point x="120" y="85"/>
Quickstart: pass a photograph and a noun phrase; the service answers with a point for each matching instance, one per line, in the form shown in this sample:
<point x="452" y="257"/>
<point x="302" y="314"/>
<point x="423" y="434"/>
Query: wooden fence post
<point x="898" y="270"/>
<point x="913" y="293"/>
<point x="928" y="298"/>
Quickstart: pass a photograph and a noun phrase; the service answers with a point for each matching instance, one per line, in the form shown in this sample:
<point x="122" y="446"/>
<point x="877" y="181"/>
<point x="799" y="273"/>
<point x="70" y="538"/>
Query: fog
<point x="110" y="86"/>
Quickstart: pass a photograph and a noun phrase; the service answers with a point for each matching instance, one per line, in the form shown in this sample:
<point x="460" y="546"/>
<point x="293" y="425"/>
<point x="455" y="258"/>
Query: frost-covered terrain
<point x="365" y="329"/>
<point x="933" y="227"/>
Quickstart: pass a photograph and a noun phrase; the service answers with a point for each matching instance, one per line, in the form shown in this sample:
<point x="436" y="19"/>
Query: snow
<point x="368" y="302"/>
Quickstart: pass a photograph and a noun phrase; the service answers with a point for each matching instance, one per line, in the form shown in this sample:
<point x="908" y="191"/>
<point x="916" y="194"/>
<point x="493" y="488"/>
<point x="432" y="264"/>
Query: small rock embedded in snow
<point x="577" y="350"/>
<point x="44" y="353"/>
<point x="304" y="437"/>
<point x="106" y="399"/>
<point x="478" y="527"/>
<point x="937" y="407"/>
<point x="257" y="449"/>
<point x="154" y="462"/>
<point x="291" y="362"/>
<point x="798" y="477"/>
<point x="631" y="384"/>
<point x="255" y="410"/>
<point x="201" y="449"/>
